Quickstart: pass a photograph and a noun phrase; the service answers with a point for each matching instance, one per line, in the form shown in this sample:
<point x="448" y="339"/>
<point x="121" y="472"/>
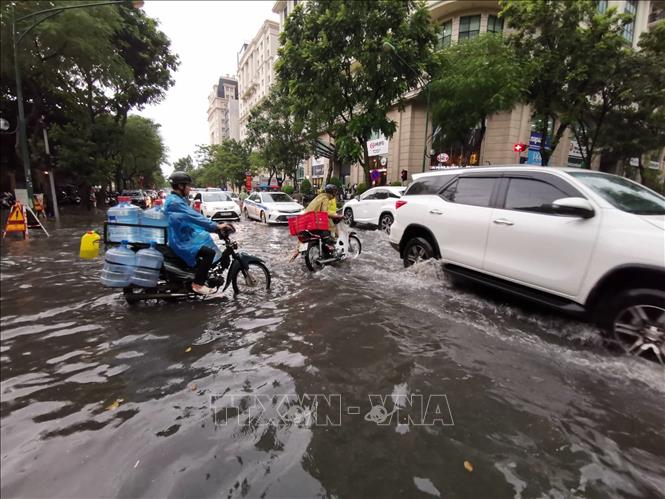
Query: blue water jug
<point x="148" y="265"/>
<point x="153" y="222"/>
<point x="119" y="265"/>
<point x="125" y="213"/>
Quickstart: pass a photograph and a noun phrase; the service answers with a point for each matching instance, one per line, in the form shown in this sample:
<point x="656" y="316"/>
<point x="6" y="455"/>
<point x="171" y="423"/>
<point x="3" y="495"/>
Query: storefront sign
<point x="442" y="157"/>
<point x="317" y="171"/>
<point x="377" y="147"/>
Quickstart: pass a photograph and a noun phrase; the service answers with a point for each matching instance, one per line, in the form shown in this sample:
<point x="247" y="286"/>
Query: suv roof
<point x="504" y="168"/>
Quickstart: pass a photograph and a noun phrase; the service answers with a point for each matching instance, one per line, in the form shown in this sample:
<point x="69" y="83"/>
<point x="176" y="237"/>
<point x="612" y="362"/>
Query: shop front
<point x="377" y="150"/>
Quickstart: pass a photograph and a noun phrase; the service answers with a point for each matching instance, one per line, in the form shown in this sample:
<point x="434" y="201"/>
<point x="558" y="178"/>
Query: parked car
<point x="271" y="207"/>
<point x="584" y="242"/>
<point x="217" y="205"/>
<point x="375" y="206"/>
<point x="137" y="197"/>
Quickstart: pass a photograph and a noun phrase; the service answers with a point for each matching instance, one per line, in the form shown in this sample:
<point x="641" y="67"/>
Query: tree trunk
<point x="365" y="164"/>
<point x="544" y="153"/>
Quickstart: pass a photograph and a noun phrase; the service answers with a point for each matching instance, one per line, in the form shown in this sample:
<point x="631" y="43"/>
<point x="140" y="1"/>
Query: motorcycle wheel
<point x="312" y="257"/>
<point x="253" y="281"/>
<point x="355" y="248"/>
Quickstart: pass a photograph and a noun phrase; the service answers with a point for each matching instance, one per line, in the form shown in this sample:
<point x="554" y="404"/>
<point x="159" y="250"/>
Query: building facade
<point x="458" y="20"/>
<point x="223" y="111"/>
<point x="256" y="72"/>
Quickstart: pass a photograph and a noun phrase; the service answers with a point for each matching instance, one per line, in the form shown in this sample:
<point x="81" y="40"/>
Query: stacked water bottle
<point x="123" y="266"/>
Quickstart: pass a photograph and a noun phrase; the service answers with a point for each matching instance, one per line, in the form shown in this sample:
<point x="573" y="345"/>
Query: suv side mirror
<point x="577" y="207"/>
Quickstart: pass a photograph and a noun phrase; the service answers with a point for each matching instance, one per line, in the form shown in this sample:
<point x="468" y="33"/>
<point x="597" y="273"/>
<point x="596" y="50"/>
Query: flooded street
<point x="408" y="386"/>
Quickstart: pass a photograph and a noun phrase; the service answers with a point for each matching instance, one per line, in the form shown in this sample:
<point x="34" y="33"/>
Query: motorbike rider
<point x="327" y="202"/>
<point x="189" y="231"/>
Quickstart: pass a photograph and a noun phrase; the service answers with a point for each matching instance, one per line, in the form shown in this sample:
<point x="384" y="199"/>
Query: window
<point x="375" y="195"/>
<point x="527" y="194"/>
<point x="629" y="29"/>
<point x="445" y="35"/>
<point x="254" y="197"/>
<point x="475" y="191"/>
<point x="494" y="24"/>
<point x="469" y="27"/>
<point x="213" y="197"/>
<point x="428" y="185"/>
<point x="602" y="6"/>
<point x="622" y="193"/>
<point x="397" y="194"/>
<point x="277" y="197"/>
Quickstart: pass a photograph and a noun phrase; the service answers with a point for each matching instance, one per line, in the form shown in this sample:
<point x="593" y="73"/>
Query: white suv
<point x="581" y="241"/>
<point x="375" y="206"/>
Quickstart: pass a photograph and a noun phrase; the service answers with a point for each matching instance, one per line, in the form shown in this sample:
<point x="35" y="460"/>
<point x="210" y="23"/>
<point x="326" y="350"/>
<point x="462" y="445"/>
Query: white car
<point x="218" y="205"/>
<point x="581" y="241"/>
<point x="271" y="207"/>
<point x="375" y="206"/>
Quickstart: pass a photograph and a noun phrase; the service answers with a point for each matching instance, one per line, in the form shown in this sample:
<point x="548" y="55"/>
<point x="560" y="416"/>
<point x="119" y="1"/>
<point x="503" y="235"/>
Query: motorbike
<point x="320" y="248"/>
<point x="246" y="273"/>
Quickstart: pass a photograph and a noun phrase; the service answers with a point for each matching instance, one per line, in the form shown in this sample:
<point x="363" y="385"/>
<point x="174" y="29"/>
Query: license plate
<point x="303" y="247"/>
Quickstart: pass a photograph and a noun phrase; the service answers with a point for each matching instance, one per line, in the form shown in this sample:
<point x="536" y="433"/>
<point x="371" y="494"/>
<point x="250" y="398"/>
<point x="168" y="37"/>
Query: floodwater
<point x="367" y="380"/>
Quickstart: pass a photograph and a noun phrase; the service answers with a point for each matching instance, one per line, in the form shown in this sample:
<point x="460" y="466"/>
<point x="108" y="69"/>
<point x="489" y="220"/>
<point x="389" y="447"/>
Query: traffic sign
<point x="16" y="222"/>
<point x="442" y="157"/>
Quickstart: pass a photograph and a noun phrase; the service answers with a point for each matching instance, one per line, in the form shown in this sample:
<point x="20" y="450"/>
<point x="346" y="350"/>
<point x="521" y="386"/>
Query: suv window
<point x="475" y="191"/>
<point x="527" y="194"/>
<point x="622" y="193"/>
<point x="428" y="185"/>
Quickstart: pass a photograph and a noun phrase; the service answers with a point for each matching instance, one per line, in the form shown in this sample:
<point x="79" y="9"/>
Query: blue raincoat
<point x="188" y="230"/>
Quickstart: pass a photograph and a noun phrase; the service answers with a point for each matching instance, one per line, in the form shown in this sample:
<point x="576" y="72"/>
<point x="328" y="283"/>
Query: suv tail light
<point x="399" y="203"/>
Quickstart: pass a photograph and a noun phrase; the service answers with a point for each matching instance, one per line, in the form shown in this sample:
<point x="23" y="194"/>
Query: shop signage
<point x="377" y="147"/>
<point x="317" y="171"/>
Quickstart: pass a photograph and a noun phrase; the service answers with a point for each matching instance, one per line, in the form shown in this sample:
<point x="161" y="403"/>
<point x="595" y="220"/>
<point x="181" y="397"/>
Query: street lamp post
<point x="389" y="47"/>
<point x="16" y="39"/>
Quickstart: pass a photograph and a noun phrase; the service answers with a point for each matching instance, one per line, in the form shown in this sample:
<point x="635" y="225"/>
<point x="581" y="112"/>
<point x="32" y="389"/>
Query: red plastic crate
<point x="313" y="220"/>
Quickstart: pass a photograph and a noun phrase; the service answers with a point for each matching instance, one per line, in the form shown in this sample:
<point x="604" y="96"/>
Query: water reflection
<point x="99" y="398"/>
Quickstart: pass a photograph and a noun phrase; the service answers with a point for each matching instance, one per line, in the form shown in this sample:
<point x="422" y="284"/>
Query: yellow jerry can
<point x="89" y="245"/>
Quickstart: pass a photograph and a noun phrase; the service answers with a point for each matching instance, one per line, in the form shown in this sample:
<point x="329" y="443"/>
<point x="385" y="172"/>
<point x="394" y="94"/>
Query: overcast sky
<point x="206" y="36"/>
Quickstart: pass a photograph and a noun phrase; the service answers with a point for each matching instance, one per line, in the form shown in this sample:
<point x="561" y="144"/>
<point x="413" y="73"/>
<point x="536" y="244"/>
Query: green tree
<point x="184" y="164"/>
<point x="626" y="118"/>
<point x="83" y="71"/>
<point x="142" y="152"/>
<point x="570" y="46"/>
<point x="274" y="132"/>
<point x="306" y="187"/>
<point x="220" y="164"/>
<point x="337" y="76"/>
<point x="473" y="80"/>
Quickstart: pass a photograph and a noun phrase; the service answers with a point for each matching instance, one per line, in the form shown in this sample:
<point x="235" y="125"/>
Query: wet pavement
<point x="367" y="380"/>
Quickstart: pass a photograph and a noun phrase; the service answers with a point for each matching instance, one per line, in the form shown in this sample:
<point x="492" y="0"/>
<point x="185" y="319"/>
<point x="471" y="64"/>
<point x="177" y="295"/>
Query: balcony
<point x="447" y="8"/>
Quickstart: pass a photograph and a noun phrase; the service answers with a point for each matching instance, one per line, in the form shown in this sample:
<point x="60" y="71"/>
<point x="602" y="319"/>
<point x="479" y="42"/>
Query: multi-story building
<point x="223" y="111"/>
<point x="256" y="72"/>
<point x="283" y="8"/>
<point x="459" y="20"/>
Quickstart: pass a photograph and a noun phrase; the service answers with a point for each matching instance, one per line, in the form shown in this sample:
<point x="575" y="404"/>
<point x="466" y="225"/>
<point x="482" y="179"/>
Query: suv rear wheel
<point x="417" y="250"/>
<point x="635" y="320"/>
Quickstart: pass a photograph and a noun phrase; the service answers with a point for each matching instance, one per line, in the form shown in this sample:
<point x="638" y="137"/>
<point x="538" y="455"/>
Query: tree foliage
<point x="277" y="137"/>
<point x="222" y="164"/>
<point x="473" y="80"/>
<point x="83" y="71"/>
<point x="626" y="118"/>
<point x="337" y="75"/>
<point x="571" y="47"/>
